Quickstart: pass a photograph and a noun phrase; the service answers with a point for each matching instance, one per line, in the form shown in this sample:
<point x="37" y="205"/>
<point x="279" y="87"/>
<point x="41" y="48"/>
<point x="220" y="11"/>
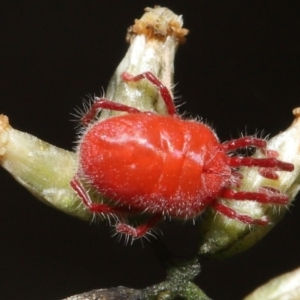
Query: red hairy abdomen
<point x="154" y="163"/>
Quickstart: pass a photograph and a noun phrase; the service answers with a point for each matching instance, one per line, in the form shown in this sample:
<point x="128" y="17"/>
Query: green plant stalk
<point x="178" y="283"/>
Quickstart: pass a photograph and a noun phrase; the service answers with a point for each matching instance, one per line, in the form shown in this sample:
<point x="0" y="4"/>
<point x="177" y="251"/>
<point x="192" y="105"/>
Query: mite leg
<point x="265" y="195"/>
<point x="269" y="165"/>
<point x="102" y="103"/>
<point x="139" y="231"/>
<point x="164" y="92"/>
<point x="243" y="142"/>
<point x="92" y="207"/>
<point x="105" y="209"/>
<point x="260" y="162"/>
<point x="232" y="214"/>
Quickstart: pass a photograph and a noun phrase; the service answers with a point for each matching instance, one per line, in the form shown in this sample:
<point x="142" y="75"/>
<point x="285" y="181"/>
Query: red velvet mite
<point x="164" y="165"/>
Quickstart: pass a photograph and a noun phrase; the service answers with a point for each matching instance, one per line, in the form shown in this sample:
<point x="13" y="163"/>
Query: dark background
<point x="239" y="69"/>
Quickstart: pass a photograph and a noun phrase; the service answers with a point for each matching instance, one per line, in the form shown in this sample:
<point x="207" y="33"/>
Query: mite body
<point x="155" y="163"/>
<point x="164" y="165"/>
